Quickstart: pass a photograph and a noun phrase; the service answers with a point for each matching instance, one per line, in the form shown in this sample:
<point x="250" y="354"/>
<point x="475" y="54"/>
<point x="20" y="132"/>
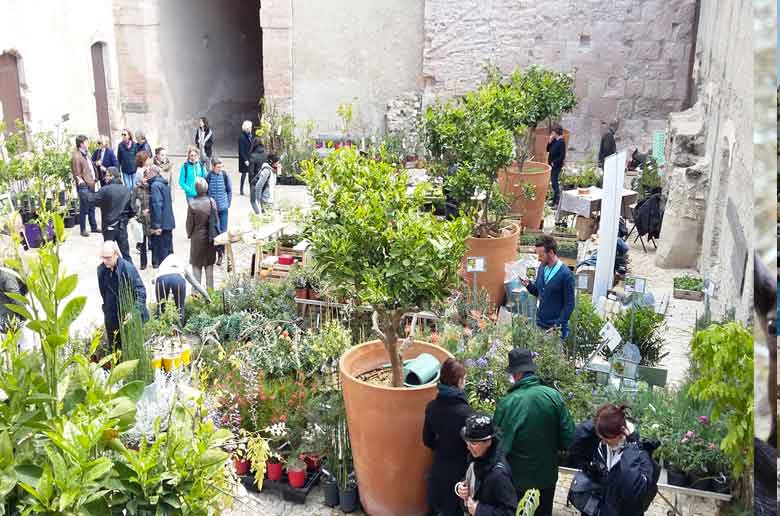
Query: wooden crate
<point x="691" y="295"/>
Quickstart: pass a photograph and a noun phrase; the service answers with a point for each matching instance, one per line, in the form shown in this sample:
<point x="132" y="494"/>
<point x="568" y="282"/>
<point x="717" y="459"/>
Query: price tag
<point x="610" y="335"/>
<point x="582" y="281"/>
<point x="633" y="284"/>
<point x="475" y="264"/>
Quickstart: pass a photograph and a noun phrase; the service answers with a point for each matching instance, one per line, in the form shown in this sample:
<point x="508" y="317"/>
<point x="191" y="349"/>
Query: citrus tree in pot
<point x="472" y="139"/>
<point x="371" y="241"/>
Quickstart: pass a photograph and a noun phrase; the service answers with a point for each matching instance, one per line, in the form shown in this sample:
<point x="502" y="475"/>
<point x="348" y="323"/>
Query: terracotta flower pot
<point x="296" y="477"/>
<point x="511" y="182"/>
<point x="385" y="425"/>
<point x="274" y="471"/>
<point x="302" y="293"/>
<point x="497" y="252"/>
<point x="241" y="466"/>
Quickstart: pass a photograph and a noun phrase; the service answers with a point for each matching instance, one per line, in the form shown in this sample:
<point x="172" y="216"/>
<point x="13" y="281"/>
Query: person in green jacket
<point x="189" y="172"/>
<point x="535" y="425"/>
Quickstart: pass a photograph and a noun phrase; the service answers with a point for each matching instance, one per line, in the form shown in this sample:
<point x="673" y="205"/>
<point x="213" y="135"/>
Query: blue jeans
<point x="172" y="285"/>
<point x="223" y="225"/>
<point x="86" y="209"/>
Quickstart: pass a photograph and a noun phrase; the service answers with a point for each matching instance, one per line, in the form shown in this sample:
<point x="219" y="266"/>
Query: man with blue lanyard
<point x="554" y="286"/>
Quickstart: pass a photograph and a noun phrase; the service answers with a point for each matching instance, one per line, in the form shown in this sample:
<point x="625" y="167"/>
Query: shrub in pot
<point x="371" y="241"/>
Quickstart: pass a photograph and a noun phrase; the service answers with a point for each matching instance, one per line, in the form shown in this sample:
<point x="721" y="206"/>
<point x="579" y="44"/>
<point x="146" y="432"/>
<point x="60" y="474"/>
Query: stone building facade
<point x="708" y="224"/>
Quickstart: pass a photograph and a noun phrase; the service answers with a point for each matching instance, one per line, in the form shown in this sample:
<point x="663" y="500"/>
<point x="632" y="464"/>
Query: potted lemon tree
<point x="372" y="241"/>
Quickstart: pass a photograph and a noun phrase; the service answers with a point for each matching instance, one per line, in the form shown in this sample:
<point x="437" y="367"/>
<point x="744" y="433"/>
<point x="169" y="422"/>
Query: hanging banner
<point x="614" y="171"/>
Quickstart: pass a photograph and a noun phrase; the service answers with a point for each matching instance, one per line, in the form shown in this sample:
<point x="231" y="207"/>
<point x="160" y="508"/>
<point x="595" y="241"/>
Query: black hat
<point x="479" y="427"/>
<point x="521" y="360"/>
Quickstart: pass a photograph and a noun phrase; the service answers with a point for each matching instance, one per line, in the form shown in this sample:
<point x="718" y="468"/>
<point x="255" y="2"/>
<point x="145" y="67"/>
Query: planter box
<point x="691" y="295"/>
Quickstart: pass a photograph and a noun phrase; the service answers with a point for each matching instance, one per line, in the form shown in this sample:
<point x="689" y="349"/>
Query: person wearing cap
<point x="535" y="425"/>
<point x="554" y="286"/>
<point x="444" y="419"/>
<point x="487" y="489"/>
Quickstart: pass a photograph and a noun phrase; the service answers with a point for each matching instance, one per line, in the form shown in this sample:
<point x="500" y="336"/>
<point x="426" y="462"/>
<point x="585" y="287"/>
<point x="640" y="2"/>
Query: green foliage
<point x="529" y="503"/>
<point x="132" y="333"/>
<point x="649" y="179"/>
<point x="547" y="94"/>
<point x="686" y="282"/>
<point x="588" y="175"/>
<point x="646" y="332"/>
<point x="329" y="343"/>
<point x="166" y="324"/>
<point x="723" y="358"/>
<point x="584" y="327"/>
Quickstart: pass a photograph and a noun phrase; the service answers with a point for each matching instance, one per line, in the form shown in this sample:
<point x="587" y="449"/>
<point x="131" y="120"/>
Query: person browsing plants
<point x="554" y="286"/>
<point x="444" y="419"/>
<point x="535" y="425"/>
<point x="487" y="489"/>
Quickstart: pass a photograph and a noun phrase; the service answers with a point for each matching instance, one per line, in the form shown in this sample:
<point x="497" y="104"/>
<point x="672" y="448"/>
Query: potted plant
<point x="296" y="470"/>
<point x="476" y="142"/>
<point x="371" y="241"/>
<point x="260" y="457"/>
<point x="277" y="440"/>
<point x="241" y="461"/>
<point x="688" y="287"/>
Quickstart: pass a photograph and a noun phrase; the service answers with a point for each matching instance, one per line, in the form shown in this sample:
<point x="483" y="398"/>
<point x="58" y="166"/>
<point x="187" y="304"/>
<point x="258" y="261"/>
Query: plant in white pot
<point x="372" y="241"/>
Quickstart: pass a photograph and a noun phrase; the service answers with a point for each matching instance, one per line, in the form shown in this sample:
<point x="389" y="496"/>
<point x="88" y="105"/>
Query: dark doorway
<point x="101" y="89"/>
<point x="212" y="60"/>
<point x="10" y="92"/>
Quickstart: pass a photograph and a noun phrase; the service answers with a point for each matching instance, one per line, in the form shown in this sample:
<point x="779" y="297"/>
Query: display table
<point x="249" y="243"/>
<point x="588" y="205"/>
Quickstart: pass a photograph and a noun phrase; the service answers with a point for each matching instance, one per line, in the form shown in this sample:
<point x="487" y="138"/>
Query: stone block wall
<point x="403" y="118"/>
<point x="631" y="56"/>
<point x="723" y="163"/>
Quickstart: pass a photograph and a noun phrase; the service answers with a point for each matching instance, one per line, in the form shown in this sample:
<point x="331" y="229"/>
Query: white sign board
<point x="582" y="281"/>
<point x="475" y="264"/>
<point x="614" y="171"/>
<point x="633" y="284"/>
<point x="610" y="335"/>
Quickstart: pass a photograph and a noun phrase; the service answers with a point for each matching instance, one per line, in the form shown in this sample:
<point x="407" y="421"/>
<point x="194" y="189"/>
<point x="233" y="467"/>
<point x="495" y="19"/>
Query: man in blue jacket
<point x="112" y="274"/>
<point x="161" y="221"/>
<point x="554" y="286"/>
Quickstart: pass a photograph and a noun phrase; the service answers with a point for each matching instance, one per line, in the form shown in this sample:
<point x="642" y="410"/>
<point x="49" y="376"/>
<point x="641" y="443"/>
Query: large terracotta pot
<point x="511" y="181"/>
<point x="497" y="252"/>
<point x="542" y="138"/>
<point x="385" y="430"/>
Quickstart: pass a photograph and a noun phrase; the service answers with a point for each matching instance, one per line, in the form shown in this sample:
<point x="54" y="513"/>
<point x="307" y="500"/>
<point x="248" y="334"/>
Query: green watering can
<point x="421" y="370"/>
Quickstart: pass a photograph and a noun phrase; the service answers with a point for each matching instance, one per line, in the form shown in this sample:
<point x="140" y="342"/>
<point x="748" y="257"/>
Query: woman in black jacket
<point x="204" y="141"/>
<point x="487" y="489"/>
<point x="609" y="451"/>
<point x="257" y="156"/>
<point x="444" y="418"/>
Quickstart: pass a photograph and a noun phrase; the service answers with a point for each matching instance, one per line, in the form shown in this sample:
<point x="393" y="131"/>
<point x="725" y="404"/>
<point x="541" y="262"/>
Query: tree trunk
<point x="386" y="325"/>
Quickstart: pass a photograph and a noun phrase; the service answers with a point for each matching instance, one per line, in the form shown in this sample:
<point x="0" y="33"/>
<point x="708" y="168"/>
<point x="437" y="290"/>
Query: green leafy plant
<point x="641" y="325"/>
<point x="132" y="334"/>
<point x="258" y="454"/>
<point x="687" y="282"/>
<point x="529" y="503"/>
<point x="723" y="359"/>
<point x="585" y="326"/>
<point x="649" y="179"/>
<point x="372" y="241"/>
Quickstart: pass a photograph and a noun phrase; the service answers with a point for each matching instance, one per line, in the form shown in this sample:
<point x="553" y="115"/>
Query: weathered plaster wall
<point x="724" y="94"/>
<point x="631" y="57"/>
<point x="53" y="40"/>
<point x="319" y="55"/>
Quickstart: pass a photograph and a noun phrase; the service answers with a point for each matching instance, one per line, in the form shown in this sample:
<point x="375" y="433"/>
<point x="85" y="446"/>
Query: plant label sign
<point x="709" y="288"/>
<point x="582" y="281"/>
<point x="610" y="336"/>
<point x="633" y="284"/>
<point x="475" y="264"/>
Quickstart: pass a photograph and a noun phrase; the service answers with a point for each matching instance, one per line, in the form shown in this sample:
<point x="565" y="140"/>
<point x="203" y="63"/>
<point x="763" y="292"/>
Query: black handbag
<point x="213" y="221"/>
<point x="584" y="494"/>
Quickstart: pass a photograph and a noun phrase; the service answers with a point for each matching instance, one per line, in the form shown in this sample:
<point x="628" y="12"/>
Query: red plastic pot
<point x="274" y="471"/>
<point x="286" y="259"/>
<point x="297" y="478"/>
<point x="313" y="461"/>
<point x="241" y="466"/>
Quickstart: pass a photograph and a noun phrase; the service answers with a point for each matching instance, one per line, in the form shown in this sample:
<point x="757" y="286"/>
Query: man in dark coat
<point x="112" y="274"/>
<point x="444" y="418"/>
<point x="104" y="158"/>
<point x="115" y="209"/>
<point x="535" y="425"/>
<point x="608" y="145"/>
<point x="161" y="221"/>
<point x="244" y="148"/>
<point x="556" y="149"/>
<point x="554" y="286"/>
<point x="487" y="489"/>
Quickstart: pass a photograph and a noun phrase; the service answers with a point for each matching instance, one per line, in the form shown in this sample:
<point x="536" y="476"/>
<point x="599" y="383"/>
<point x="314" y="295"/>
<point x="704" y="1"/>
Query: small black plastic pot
<point x="330" y="489"/>
<point x="702" y="484"/>
<point x="348" y="499"/>
<point x="675" y="477"/>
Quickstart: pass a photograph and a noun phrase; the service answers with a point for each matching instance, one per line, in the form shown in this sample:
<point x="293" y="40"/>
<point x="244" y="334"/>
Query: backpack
<point x="213" y="221"/>
<point x="584" y="494"/>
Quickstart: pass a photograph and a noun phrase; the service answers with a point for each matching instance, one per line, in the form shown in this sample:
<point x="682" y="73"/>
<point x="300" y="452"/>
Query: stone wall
<point x="722" y="164"/>
<point x="52" y="41"/>
<point x="688" y="502"/>
<point x="631" y="57"/>
<point x="402" y="120"/>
